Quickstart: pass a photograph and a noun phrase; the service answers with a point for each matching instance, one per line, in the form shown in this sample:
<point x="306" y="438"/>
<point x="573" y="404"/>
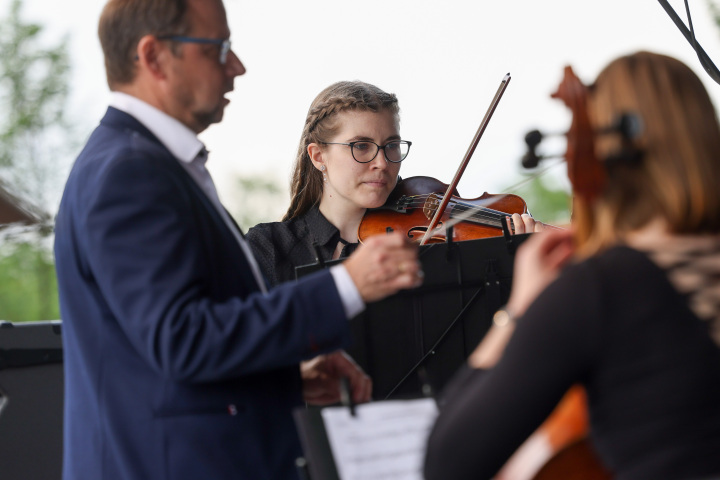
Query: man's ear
<point x="152" y="55"/>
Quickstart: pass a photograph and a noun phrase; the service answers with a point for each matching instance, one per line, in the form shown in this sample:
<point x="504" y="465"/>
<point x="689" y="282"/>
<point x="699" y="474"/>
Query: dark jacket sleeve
<point x="182" y="290"/>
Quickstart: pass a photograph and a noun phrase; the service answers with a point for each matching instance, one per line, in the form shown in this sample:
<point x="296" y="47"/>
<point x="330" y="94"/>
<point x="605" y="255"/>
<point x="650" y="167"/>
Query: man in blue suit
<point x="179" y="363"/>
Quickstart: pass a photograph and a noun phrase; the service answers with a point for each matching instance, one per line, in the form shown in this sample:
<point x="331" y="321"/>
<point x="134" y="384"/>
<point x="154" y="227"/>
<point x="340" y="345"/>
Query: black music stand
<point x="31" y="400"/>
<point x="418" y="338"/>
<point x="318" y="463"/>
<point x="405" y="425"/>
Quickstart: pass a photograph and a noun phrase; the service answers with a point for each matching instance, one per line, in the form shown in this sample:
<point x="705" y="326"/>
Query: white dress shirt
<point x="190" y="152"/>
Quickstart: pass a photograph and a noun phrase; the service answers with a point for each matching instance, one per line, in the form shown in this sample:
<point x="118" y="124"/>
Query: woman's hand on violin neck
<point x="384" y="264"/>
<point x="524" y="223"/>
<point x="537" y="264"/>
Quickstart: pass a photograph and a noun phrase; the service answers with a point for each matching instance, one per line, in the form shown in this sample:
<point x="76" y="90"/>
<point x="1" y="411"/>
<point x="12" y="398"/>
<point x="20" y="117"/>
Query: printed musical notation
<point x="383" y="441"/>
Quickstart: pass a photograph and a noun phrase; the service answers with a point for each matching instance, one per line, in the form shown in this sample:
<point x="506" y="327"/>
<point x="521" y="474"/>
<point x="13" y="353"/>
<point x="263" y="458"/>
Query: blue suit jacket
<point x="176" y="366"/>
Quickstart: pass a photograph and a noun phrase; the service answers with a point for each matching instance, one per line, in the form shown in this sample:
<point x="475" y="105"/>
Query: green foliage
<point x="28" y="286"/>
<point x="34" y="132"/>
<point x="546" y="203"/>
<point x="714" y="11"/>
<point x="35" y="146"/>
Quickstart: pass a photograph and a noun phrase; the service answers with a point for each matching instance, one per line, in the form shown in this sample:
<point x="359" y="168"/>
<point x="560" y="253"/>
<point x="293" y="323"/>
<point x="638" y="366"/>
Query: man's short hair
<point x="124" y="22"/>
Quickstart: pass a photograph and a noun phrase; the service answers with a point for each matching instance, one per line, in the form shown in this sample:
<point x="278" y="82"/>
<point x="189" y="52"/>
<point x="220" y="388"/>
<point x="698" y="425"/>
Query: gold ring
<point x="401" y="267"/>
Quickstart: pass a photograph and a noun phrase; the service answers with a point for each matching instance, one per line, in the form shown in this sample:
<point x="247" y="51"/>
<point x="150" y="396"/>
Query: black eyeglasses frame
<point x="379" y="147"/>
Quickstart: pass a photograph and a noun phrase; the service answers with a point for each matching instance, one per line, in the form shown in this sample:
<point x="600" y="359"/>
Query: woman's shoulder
<point x="616" y="271"/>
<point x="616" y="259"/>
<point x="617" y="268"/>
<point x="630" y="262"/>
<point x="276" y="233"/>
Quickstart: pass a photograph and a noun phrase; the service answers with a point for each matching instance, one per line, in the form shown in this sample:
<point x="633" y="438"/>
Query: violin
<point x="423" y="207"/>
<point x="415" y="201"/>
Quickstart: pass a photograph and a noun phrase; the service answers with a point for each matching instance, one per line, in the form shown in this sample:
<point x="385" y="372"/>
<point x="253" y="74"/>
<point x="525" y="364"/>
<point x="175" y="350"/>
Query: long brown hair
<point x="320" y="125"/>
<point x="678" y="174"/>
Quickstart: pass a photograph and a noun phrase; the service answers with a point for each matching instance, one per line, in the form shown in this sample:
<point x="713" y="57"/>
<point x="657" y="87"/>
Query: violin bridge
<point x="431" y="205"/>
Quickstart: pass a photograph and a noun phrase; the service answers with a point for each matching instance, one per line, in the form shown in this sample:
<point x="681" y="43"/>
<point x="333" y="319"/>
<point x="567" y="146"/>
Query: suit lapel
<point x="119" y="120"/>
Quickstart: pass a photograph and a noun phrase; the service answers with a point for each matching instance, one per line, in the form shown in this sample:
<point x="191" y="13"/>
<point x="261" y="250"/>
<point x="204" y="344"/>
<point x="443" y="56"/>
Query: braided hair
<point x="320" y="125"/>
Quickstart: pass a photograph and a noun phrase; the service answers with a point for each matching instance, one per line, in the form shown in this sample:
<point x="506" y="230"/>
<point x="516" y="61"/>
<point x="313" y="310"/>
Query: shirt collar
<point x="325" y="233"/>
<point x="176" y="137"/>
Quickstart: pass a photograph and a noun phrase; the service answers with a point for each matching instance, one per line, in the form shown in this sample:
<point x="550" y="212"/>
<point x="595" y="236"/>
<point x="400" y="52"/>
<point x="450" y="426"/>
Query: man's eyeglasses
<point x="365" y="152"/>
<point x="223" y="44"/>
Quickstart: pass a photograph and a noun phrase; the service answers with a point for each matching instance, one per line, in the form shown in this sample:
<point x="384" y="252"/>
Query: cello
<point x="560" y="447"/>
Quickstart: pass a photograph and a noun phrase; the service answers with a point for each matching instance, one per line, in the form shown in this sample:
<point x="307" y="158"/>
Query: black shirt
<point x="615" y="324"/>
<point x="279" y="247"/>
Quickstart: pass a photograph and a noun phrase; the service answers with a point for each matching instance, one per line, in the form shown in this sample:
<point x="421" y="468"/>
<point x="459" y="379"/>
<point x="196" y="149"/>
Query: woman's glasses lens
<point x="364" y="152"/>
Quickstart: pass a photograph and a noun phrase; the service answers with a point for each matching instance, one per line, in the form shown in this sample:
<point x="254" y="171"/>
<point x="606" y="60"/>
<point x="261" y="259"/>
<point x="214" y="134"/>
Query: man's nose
<point x="234" y="66"/>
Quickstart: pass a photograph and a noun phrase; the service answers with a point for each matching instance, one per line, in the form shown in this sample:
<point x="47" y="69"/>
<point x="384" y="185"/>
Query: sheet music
<point x="384" y="441"/>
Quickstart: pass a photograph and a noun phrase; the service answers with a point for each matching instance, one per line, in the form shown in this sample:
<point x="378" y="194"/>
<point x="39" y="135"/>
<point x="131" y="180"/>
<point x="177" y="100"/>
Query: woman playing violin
<point x="627" y="304"/>
<point x="340" y="170"/>
<point x="348" y="161"/>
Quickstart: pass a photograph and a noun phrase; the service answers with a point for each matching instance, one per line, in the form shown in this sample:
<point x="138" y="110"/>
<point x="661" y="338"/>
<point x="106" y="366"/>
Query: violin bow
<point x="471" y="149"/>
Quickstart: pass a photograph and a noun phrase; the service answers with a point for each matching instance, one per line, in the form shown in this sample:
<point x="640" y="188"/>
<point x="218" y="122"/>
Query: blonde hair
<point x="678" y="175"/>
<point x="321" y="125"/>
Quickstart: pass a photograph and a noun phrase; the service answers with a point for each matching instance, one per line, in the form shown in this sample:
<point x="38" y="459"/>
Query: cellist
<point x="626" y="303"/>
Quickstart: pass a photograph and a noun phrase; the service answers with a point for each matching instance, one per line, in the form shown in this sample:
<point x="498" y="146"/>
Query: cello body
<point x="559" y="448"/>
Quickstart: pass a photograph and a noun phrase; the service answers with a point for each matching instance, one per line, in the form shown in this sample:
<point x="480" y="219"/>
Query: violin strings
<point x="465" y="212"/>
<point x="478" y="214"/>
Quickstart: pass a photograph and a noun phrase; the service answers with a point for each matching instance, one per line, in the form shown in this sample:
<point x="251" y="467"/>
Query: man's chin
<point x="205" y="120"/>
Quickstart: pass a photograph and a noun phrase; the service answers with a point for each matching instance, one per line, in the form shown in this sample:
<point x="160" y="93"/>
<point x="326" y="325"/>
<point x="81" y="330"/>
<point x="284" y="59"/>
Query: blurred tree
<point x="546" y="193"/>
<point x="546" y="202"/>
<point x="714" y="11"/>
<point x="259" y="198"/>
<point x="35" y="145"/>
<point x="35" y="135"/>
<point x="28" y="287"/>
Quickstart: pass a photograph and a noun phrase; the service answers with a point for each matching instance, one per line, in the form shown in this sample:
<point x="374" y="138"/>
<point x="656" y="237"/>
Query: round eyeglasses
<point x="364" y="151"/>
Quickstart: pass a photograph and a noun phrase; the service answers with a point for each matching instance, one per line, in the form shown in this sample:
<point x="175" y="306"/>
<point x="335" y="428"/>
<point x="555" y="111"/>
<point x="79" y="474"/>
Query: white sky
<point x="444" y="60"/>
